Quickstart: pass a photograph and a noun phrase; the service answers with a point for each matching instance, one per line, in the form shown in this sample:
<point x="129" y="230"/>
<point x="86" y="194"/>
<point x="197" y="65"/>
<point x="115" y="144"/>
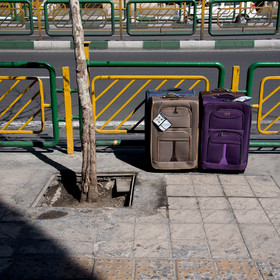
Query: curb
<point x="145" y="45"/>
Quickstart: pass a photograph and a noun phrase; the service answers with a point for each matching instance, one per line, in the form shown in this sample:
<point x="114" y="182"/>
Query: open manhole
<point x="63" y="190"/>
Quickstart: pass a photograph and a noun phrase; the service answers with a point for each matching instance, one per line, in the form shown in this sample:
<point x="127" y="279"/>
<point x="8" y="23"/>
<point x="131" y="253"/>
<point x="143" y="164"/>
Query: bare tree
<point x="89" y="190"/>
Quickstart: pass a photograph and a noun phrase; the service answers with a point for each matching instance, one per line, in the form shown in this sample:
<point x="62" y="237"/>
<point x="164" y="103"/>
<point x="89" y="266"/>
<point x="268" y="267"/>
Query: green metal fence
<point x="97" y="17"/>
<point x="16" y="17"/>
<point x="270" y="128"/>
<point x="234" y="17"/>
<point x="15" y="97"/>
<point x="150" y="17"/>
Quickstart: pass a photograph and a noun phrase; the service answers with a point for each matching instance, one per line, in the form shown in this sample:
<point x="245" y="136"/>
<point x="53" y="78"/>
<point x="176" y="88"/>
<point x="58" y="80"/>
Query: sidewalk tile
<point x="232" y="180"/>
<point x="251" y="217"/>
<point x="159" y="218"/>
<point x="196" y="269"/>
<point x="187" y="231"/>
<point x="113" y="269"/>
<point x="73" y="268"/>
<point x="213" y="203"/>
<point x="238" y="270"/>
<point x="190" y="249"/>
<point x="181" y="203"/>
<point x="263" y="186"/>
<point x="274" y="216"/>
<point x="153" y="231"/>
<point x="151" y="248"/>
<point x="179" y="190"/>
<point x="76" y="248"/>
<point x="205" y="180"/>
<point x="154" y="269"/>
<point x="217" y="217"/>
<point x="262" y="241"/>
<point x="272" y="204"/>
<point x="113" y="249"/>
<point x="235" y="185"/>
<point x="186" y="216"/>
<point x="11" y="229"/>
<point x="225" y="241"/>
<point x="182" y="179"/>
<point x="244" y="203"/>
<point x="120" y="232"/>
<point x="270" y="270"/>
<point x="208" y="190"/>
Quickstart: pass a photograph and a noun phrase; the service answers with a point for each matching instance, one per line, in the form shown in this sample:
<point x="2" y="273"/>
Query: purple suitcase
<point x="225" y="132"/>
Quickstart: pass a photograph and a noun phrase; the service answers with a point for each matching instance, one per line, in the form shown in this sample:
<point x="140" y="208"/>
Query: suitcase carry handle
<point x="220" y="90"/>
<point x="224" y="95"/>
<point x="172" y="95"/>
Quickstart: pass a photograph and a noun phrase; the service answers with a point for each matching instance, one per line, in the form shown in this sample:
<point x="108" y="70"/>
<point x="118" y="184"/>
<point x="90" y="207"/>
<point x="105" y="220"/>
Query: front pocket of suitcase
<point x="227" y="119"/>
<point x="225" y="148"/>
<point x="174" y="146"/>
<point x="180" y="117"/>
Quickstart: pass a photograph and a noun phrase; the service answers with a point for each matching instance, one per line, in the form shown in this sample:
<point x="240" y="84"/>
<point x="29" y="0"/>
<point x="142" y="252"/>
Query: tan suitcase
<point x="174" y="132"/>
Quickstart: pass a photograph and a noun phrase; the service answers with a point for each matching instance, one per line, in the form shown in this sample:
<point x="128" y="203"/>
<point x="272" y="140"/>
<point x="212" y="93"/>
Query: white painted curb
<point x="52" y="45"/>
<point x="125" y="45"/>
<point x="194" y="45"/>
<point x="267" y="44"/>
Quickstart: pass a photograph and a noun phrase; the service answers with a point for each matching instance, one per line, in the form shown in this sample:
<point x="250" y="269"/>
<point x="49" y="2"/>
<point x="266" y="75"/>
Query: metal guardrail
<point x="236" y="17"/>
<point x="135" y="95"/>
<point x="150" y="17"/>
<point x="16" y="17"/>
<point x="263" y="113"/>
<point x="97" y="17"/>
<point x="18" y="93"/>
<point x="111" y="93"/>
<point x="142" y="17"/>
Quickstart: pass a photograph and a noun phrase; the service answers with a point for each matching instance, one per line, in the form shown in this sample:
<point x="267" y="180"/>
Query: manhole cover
<point x="63" y="190"/>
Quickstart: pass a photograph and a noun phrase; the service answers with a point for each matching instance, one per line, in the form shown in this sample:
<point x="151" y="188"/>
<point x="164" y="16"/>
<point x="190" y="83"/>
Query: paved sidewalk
<point x="187" y="225"/>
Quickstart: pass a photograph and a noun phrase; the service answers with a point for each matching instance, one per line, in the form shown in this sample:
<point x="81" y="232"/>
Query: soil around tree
<point x="64" y="191"/>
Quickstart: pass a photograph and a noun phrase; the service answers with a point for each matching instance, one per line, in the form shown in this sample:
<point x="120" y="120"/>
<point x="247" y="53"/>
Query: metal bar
<point x="47" y="66"/>
<point x="235" y="78"/>
<point x="68" y="110"/>
<point x="214" y="64"/>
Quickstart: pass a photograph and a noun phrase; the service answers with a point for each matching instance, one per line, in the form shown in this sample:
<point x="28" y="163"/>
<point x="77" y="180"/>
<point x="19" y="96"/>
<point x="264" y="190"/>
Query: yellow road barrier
<point x="16" y="95"/>
<point x="120" y="92"/>
<point x="261" y="114"/>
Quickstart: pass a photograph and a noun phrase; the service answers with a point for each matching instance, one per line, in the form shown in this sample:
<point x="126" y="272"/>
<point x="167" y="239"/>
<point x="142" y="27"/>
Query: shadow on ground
<point x="26" y="252"/>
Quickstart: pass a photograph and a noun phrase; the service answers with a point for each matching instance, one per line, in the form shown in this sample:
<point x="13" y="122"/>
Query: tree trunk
<point x="89" y="190"/>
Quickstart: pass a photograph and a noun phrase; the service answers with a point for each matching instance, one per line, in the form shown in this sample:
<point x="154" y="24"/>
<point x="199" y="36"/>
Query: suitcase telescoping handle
<point x="174" y="89"/>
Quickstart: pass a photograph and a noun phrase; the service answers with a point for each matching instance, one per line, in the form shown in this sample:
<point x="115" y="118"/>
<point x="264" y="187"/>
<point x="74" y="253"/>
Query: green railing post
<point x="28" y="15"/>
<point x="54" y="107"/>
<point x="249" y="89"/>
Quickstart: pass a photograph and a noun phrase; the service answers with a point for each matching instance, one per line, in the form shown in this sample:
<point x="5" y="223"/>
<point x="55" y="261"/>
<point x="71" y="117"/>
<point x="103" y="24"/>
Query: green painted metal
<point x="28" y="18"/>
<point x="253" y="67"/>
<point x="53" y="106"/>
<point x="132" y="29"/>
<point x="249" y="87"/>
<point x="68" y="31"/>
<point x="210" y="64"/>
<point x="265" y="144"/>
<point x="242" y="32"/>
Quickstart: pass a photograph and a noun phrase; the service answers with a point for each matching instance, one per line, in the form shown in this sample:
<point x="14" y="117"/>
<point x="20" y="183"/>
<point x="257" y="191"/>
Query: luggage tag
<point x="162" y="122"/>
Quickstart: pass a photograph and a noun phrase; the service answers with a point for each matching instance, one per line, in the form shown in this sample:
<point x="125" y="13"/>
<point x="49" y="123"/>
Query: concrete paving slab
<point x="228" y="226"/>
